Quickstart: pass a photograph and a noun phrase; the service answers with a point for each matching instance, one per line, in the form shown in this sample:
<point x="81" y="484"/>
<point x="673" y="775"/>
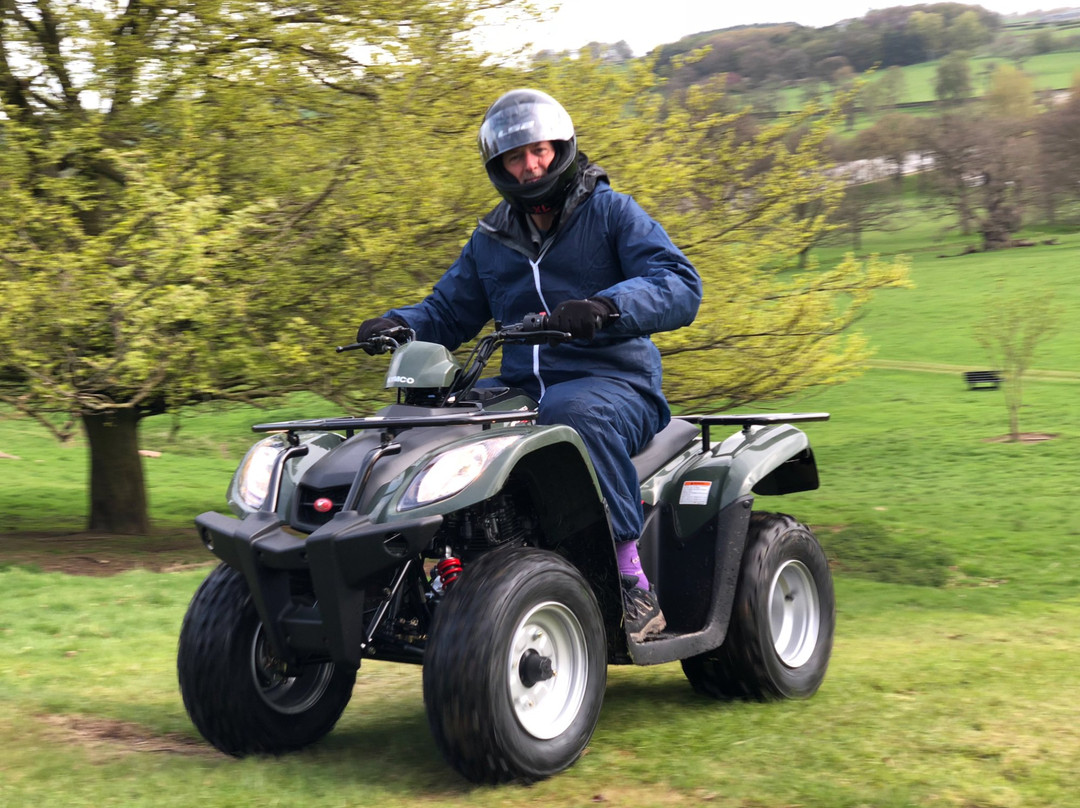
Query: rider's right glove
<point x="377" y="327"/>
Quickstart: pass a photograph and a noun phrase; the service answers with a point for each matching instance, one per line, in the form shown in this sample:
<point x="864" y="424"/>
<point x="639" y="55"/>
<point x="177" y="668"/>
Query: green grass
<point x="933" y="323"/>
<point x="928" y="702"/>
<point x="199" y="449"/>
<point x="952" y="681"/>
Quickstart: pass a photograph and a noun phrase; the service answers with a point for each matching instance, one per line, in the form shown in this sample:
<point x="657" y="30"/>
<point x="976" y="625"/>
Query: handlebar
<point x="381" y="343"/>
<point x="538" y="327"/>
<point x="533" y="328"/>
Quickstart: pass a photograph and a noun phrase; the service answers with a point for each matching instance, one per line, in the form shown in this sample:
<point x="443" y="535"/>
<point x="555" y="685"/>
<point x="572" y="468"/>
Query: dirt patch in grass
<point x="1024" y="437"/>
<point x="104" y="554"/>
<point x="113" y="735"/>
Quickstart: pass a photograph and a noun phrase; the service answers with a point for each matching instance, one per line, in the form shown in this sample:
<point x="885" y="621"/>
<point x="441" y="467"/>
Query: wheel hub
<point x="547" y="670"/>
<point x="282" y="689"/>
<point x="535" y="668"/>
<point x="794" y="613"/>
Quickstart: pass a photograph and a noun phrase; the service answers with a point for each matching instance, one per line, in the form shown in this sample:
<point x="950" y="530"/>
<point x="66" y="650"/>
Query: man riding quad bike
<point x="513" y="535"/>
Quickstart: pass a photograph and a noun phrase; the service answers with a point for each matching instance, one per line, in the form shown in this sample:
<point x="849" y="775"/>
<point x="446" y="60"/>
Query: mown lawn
<point x="952" y="681"/>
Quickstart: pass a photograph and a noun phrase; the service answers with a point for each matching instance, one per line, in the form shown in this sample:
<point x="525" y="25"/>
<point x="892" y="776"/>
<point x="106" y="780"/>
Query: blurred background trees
<point x="198" y="201"/>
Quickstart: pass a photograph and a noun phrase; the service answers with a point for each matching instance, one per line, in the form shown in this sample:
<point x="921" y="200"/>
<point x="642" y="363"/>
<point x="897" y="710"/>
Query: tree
<point x="162" y="164"/>
<point x="895" y="136"/>
<point x="1059" y="153"/>
<point x="254" y="183"/>
<point x="930" y="28"/>
<point x="966" y="32"/>
<point x="953" y="81"/>
<point x="1011" y="94"/>
<point x="1015" y="324"/>
<point x="983" y="167"/>
<point x="866" y="206"/>
<point x="886" y="91"/>
<point x="956" y="172"/>
<point x="731" y="196"/>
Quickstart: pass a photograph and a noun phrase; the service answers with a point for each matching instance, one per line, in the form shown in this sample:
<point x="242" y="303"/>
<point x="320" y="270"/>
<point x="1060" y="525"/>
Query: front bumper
<point x="341" y="557"/>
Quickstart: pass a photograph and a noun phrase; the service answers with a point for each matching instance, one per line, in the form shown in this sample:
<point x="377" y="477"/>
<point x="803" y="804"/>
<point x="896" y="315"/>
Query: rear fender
<point x="769" y="461"/>
<point x="762" y="460"/>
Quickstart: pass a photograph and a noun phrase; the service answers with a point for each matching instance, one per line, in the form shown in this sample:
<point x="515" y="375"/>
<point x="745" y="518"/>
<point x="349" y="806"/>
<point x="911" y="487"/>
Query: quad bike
<point x="453" y="531"/>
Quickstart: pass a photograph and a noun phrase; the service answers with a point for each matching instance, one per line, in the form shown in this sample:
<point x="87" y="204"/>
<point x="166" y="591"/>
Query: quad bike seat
<point x="665" y="444"/>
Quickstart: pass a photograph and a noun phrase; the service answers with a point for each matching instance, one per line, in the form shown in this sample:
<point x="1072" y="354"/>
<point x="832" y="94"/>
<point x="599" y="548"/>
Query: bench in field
<point x="983" y="379"/>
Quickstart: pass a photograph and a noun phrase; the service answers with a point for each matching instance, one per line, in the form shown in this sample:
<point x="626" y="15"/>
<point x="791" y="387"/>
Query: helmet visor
<point x="534" y="118"/>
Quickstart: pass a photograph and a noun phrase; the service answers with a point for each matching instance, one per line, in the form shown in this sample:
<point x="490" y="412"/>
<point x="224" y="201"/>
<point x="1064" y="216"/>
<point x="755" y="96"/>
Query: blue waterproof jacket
<point x="604" y="245"/>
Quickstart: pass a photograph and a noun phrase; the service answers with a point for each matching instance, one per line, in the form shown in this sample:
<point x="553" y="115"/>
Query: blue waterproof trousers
<point x="615" y="422"/>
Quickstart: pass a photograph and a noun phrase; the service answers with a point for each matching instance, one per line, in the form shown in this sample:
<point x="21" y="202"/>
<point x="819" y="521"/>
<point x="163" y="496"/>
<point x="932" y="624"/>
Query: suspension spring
<point x="448" y="571"/>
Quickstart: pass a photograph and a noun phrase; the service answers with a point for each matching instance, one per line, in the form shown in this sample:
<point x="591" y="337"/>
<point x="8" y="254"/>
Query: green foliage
<point x="954" y="77"/>
<point x="898" y="35"/>
<point x="733" y="203"/>
<point x="176" y="190"/>
<point x="1010" y="93"/>
<point x="231" y="211"/>
<point x="161" y="246"/>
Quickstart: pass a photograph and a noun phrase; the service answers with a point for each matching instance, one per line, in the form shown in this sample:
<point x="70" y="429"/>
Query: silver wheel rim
<point x="545" y="709"/>
<point x="794" y="613"/>
<point x="286" y="694"/>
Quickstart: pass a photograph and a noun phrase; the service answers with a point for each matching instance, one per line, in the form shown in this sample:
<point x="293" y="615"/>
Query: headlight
<point x="451" y="471"/>
<point x="253" y="476"/>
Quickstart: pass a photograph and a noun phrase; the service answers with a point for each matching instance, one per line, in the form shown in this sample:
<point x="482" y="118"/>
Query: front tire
<point x="237" y="695"/>
<point x="515" y="667"/>
<point x="781" y="633"/>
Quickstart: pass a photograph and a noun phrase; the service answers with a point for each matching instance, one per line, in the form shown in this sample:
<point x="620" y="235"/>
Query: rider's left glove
<point x="582" y="318"/>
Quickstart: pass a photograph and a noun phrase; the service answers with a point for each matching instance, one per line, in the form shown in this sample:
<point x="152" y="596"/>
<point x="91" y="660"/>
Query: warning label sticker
<point x="695" y="492"/>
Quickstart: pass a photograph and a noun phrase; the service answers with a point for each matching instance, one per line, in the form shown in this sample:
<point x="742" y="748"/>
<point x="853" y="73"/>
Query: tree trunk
<point x="804" y="256"/>
<point x="117" y="488"/>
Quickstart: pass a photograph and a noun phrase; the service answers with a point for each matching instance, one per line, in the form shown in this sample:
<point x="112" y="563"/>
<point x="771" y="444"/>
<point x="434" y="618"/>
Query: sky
<point x="644" y="24"/>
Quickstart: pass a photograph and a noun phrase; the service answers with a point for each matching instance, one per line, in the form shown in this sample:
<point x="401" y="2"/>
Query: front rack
<point x="393" y="424"/>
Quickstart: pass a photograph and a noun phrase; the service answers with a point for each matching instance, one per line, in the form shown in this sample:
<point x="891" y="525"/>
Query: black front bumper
<point x="340" y="558"/>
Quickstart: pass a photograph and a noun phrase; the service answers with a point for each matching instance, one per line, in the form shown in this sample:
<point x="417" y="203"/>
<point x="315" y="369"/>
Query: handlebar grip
<point x="535" y="322"/>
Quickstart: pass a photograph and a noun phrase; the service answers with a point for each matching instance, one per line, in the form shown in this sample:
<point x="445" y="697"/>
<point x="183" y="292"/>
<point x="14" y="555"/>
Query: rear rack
<point x="748" y="420"/>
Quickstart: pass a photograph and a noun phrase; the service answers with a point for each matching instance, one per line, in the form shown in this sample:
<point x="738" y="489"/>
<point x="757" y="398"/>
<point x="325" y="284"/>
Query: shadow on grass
<point x="869" y="550"/>
<point x="397" y="751"/>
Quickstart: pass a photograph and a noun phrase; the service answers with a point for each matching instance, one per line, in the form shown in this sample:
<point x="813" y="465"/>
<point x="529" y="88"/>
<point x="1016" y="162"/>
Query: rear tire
<point x="515" y="667"/>
<point x="781" y="633"/>
<point x="236" y="696"/>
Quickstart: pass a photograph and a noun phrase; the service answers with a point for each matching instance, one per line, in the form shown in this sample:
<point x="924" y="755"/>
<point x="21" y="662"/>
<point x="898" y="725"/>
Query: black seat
<point x="665" y="444"/>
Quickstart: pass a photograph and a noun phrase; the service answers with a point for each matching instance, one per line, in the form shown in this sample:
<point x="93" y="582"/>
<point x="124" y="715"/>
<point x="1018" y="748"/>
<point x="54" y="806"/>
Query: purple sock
<point x="630" y="562"/>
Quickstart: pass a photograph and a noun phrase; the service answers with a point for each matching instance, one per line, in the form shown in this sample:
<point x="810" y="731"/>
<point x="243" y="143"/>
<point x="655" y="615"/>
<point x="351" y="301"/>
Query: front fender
<point x="527" y="443"/>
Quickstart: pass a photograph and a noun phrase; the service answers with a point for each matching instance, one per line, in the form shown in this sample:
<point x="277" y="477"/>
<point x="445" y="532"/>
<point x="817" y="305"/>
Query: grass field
<point x="952" y="681"/>
<point x="1048" y="71"/>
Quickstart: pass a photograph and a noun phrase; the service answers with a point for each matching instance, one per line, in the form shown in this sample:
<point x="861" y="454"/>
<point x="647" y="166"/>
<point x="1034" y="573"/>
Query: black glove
<point x="581" y="318"/>
<point x="377" y="326"/>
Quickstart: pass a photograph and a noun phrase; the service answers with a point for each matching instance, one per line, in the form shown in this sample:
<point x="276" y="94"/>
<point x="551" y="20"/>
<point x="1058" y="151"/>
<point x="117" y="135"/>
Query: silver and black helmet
<point x="516" y="119"/>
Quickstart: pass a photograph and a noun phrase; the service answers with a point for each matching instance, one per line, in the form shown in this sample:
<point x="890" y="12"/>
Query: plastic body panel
<point x="422" y="364"/>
